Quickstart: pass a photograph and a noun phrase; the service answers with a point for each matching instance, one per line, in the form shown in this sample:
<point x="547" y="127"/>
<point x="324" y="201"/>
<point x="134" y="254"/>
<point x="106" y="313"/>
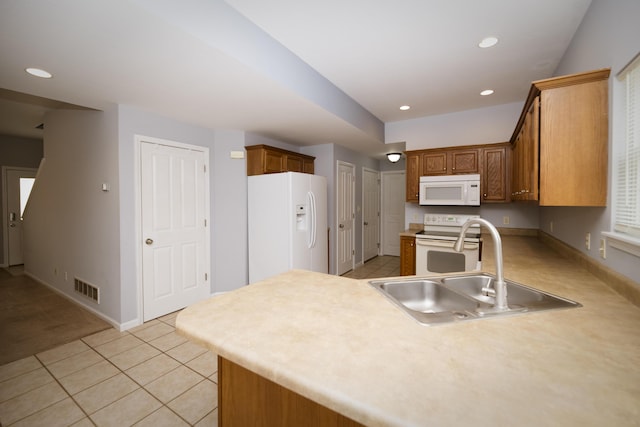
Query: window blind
<point x="627" y="215"/>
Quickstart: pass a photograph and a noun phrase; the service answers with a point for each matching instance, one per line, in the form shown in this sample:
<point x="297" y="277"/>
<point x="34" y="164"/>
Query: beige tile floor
<point x="381" y="266"/>
<point x="147" y="376"/>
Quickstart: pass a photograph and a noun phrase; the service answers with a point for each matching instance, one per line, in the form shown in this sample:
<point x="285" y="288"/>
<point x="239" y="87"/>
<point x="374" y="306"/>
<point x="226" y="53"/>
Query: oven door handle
<point x="444" y="243"/>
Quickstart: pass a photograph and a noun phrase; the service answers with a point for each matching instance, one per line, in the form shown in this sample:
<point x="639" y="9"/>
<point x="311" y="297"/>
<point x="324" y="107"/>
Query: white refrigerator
<point x="287" y="224"/>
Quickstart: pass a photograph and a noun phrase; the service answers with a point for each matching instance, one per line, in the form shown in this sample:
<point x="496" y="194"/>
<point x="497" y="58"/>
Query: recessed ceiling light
<point x="38" y="72"/>
<point x="405" y="107"/>
<point x="488" y="42"/>
<point x="486" y="92"/>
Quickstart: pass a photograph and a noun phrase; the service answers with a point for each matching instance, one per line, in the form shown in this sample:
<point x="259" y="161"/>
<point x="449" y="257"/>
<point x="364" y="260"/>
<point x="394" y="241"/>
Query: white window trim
<point x="624" y="242"/>
<point x="618" y="238"/>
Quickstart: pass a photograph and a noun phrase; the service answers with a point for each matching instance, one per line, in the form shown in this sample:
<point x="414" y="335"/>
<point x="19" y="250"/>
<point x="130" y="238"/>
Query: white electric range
<point x="434" y="245"/>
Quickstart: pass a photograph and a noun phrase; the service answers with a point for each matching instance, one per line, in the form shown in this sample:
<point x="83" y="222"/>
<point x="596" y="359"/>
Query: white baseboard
<point x="119" y="326"/>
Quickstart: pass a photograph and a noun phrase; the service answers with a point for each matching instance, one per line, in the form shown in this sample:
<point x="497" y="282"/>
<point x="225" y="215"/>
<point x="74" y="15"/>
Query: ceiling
<point x="303" y="72"/>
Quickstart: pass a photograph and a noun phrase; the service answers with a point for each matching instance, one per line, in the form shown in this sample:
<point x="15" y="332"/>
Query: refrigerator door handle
<point x="312" y="219"/>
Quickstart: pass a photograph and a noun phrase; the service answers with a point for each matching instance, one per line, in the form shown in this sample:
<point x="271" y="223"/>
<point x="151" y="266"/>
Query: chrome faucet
<point x="499" y="287"/>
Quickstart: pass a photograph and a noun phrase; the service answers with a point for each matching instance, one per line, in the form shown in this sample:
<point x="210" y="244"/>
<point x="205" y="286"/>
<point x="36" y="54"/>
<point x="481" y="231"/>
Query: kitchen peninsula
<point x="340" y="343"/>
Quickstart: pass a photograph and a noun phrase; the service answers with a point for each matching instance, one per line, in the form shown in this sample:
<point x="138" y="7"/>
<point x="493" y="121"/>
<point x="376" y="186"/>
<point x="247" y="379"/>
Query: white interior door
<point x="174" y="211"/>
<point x="18" y="186"/>
<point x="370" y="213"/>
<point x="345" y="217"/>
<point x="393" y="199"/>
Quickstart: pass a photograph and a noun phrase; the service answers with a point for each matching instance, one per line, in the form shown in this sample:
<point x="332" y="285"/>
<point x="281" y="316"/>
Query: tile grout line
<point x="139" y="386"/>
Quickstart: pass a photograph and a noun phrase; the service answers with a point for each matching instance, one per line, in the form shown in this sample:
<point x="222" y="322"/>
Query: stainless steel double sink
<point x="455" y="298"/>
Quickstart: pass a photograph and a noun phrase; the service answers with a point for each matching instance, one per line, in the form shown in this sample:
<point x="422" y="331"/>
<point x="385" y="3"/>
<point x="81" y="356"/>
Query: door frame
<point x="5" y="202"/>
<point x="364" y="171"/>
<point x="139" y="140"/>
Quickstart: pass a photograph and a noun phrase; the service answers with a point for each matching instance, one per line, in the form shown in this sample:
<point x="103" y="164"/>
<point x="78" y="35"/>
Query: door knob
<point x="366" y="223"/>
<point x="341" y="226"/>
<point x="149" y="241"/>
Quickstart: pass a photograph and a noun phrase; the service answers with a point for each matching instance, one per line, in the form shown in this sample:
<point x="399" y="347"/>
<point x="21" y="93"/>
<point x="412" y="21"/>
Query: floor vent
<point x="87" y="290"/>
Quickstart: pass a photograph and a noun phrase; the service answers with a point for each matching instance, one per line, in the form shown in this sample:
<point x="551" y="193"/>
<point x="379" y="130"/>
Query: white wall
<point x="229" y="213"/>
<point x="228" y="200"/>
<point x="71" y="228"/>
<point x="608" y="37"/>
<point x="479" y="126"/>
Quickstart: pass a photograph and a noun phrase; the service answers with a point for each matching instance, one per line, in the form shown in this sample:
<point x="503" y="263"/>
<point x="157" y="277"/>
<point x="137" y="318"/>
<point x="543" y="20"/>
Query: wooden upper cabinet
<point x="272" y="162"/>
<point x="464" y="161"/>
<point x="434" y="164"/>
<point x="412" y="175"/>
<point x="573" y="140"/>
<point x="263" y="159"/>
<point x="494" y="176"/>
<point x="525" y="155"/>
<point x="450" y="161"/>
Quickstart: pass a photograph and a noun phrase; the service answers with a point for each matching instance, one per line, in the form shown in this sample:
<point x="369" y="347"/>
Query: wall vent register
<point x="89" y="291"/>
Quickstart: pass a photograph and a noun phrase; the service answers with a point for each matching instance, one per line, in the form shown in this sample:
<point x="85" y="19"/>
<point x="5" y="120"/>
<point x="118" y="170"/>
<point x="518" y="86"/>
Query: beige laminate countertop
<point x="342" y="344"/>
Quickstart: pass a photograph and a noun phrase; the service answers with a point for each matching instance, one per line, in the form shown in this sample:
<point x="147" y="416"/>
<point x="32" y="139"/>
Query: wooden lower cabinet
<point x="248" y="399"/>
<point x="407" y="256"/>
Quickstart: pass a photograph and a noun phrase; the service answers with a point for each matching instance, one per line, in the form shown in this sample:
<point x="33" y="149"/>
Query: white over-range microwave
<point x="450" y="190"/>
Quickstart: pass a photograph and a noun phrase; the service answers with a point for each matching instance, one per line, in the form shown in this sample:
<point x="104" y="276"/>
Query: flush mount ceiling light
<point x="38" y="72"/>
<point x="394" y="157"/>
<point x="405" y="107"/>
<point x="488" y="42"/>
<point x="486" y="92"/>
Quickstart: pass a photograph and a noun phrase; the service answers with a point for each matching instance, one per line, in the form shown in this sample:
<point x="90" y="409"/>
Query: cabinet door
<point x="524" y="182"/>
<point x="413" y="177"/>
<point x="434" y="164"/>
<point x="294" y="163"/>
<point x="494" y="176"/>
<point x="464" y="161"/>
<point x="273" y="162"/>
<point x="407" y="256"/>
<point x="307" y="166"/>
<point x="573" y="145"/>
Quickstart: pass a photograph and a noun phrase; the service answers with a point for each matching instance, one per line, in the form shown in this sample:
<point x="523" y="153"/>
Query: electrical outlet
<point x="505" y="220"/>
<point x="551" y="226"/>
<point x="587" y="241"/>
<point x="603" y="248"/>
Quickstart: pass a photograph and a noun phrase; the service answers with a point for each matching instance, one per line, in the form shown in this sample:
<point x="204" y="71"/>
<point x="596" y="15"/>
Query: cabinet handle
<point x="485" y="195"/>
